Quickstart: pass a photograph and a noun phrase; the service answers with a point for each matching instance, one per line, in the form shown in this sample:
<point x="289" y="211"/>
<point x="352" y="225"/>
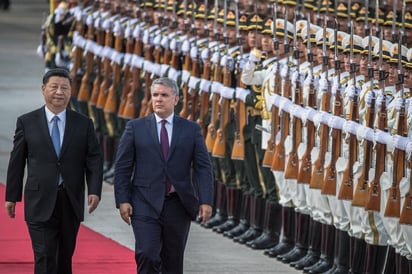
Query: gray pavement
<point x="20" y="77"/>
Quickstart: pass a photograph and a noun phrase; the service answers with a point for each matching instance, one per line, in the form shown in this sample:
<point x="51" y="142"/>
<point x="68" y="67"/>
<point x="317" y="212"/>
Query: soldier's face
<point x="267" y="43"/>
<point x="363" y="64"/>
<point x="408" y="78"/>
<point x="231" y="34"/>
<point x="387" y="33"/>
<point x="393" y="73"/>
<point x="199" y="27"/>
<point x="359" y="28"/>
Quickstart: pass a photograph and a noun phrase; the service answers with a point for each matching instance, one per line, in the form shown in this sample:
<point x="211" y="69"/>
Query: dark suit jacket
<point x="79" y="159"/>
<point x="141" y="171"/>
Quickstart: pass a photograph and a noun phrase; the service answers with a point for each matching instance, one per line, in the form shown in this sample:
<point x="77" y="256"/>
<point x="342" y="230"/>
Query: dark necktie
<point x="164" y="144"/>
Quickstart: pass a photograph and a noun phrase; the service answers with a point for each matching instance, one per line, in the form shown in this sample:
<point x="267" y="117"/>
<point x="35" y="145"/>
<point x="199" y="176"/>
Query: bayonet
<point x="367" y="30"/>
<point x="377" y="26"/>
<point x="403" y="33"/>
<point x="394" y="18"/>
<point x="352" y="64"/>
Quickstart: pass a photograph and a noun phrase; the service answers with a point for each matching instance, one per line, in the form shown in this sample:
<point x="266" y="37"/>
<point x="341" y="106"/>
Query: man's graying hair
<point x="166" y="82"/>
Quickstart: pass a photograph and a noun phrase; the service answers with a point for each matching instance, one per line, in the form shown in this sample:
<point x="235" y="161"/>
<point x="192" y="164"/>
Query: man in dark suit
<point x="160" y="189"/>
<point x="60" y="153"/>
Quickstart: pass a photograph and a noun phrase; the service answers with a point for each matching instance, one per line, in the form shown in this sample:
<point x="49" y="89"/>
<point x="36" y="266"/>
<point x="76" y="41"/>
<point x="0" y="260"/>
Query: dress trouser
<point x="54" y="241"/>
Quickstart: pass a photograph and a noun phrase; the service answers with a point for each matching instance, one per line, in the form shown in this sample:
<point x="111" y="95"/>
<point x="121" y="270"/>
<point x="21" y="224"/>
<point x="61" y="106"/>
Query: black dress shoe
<point x="310" y="259"/>
<point x="264" y="241"/>
<point x="238" y="230"/>
<point x="281" y="248"/>
<point x="216" y="220"/>
<point x="341" y="269"/>
<point x="323" y="265"/>
<point x="226" y="226"/>
<point x="249" y="235"/>
<point x="332" y="270"/>
<point x="293" y="256"/>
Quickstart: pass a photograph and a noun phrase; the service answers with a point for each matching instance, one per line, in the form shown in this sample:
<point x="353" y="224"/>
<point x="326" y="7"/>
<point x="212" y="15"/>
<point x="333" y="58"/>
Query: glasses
<point x="55" y="87"/>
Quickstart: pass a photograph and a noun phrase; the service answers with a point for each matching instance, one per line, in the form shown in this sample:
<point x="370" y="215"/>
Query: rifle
<point x="219" y="147"/>
<point x="318" y="172"/>
<point x="278" y="163"/>
<point x="103" y="89"/>
<point x="305" y="170"/>
<point x="329" y="181"/>
<point x="361" y="191"/>
<point x="270" y="150"/>
<point x="148" y="57"/>
<point x="84" y="92"/>
<point x="111" y="103"/>
<point x="373" y="202"/>
<point x="204" y="98"/>
<point x="129" y="111"/>
<point x="78" y="53"/>
<point x="346" y="188"/>
<point x="127" y="81"/>
<point x="393" y="204"/>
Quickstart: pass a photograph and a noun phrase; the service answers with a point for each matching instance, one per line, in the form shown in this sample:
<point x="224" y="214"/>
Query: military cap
<point x="340" y="36"/>
<point x="381" y="16"/>
<point x="361" y="14"/>
<point x="170" y="5"/>
<point x="200" y="12"/>
<point x="147" y="3"/>
<point x="158" y="4"/>
<point x="289" y="2"/>
<point x="365" y="43"/>
<point x="395" y="53"/>
<point x="267" y="26"/>
<point x="310" y="4"/>
<point x="230" y="17"/>
<point x="319" y="36"/>
<point x="326" y="6"/>
<point x="243" y="22"/>
<point x="408" y="19"/>
<point x="357" y="44"/>
<point x="409" y="58"/>
<point x="342" y="10"/>
<point x="300" y="24"/>
<point x="280" y="28"/>
<point x="386" y="48"/>
<point x="313" y="29"/>
<point x="255" y="21"/>
<point x="211" y="14"/>
<point x="390" y="17"/>
<point x="190" y="7"/>
<point x="355" y="8"/>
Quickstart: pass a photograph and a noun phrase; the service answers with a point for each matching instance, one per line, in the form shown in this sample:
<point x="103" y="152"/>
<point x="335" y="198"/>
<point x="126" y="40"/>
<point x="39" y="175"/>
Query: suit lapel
<point x="152" y="129"/>
<point x="177" y="131"/>
<point x="68" y="131"/>
<point x="44" y="128"/>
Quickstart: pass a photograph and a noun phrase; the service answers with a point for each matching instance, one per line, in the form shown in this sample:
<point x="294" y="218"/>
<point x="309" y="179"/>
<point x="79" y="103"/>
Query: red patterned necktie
<point x="164" y="144"/>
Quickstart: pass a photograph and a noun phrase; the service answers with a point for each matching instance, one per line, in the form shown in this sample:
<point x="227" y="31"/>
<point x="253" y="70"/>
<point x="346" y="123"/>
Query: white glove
<point x="241" y="93"/>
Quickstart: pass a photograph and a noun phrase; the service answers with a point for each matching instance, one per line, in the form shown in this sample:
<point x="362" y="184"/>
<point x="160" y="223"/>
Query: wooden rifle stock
<point x="204" y="100"/>
<point x="305" y="170"/>
<point x="346" y="188"/>
<point x="406" y="213"/>
<point x="214" y="117"/>
<point x="373" y="202"/>
<point x="393" y="204"/>
<point x="129" y="111"/>
<point x="127" y="84"/>
<point x="318" y="172"/>
<point x="270" y="150"/>
<point x="279" y="158"/>
<point x="360" y="196"/>
<point x="192" y="95"/>
<point x="84" y="91"/>
<point x="185" y="89"/>
<point x="111" y="105"/>
<point x="77" y="60"/>
<point x="292" y="166"/>
<point x="97" y="80"/>
<point x="144" y="104"/>
<point x="103" y="89"/>
<point x="219" y="147"/>
<point x="329" y="181"/>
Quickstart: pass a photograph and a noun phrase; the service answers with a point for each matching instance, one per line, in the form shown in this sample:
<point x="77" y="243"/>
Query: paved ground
<point x="20" y="75"/>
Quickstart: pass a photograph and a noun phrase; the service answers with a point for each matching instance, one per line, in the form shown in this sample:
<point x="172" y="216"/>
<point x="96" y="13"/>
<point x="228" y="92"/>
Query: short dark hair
<point x="164" y="81"/>
<point x="56" y="72"/>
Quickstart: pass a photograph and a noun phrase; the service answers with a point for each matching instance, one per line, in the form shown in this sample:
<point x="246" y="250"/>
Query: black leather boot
<point x="313" y="254"/>
<point x="244" y="222"/>
<point x="401" y="264"/>
<point x="357" y="256"/>
<point x="256" y="221"/>
<point x="220" y="214"/>
<point x="302" y="240"/>
<point x="389" y="266"/>
<point x="375" y="258"/>
<point x="272" y="227"/>
<point x="288" y="230"/>
<point x="233" y="196"/>
<point x="327" y="251"/>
